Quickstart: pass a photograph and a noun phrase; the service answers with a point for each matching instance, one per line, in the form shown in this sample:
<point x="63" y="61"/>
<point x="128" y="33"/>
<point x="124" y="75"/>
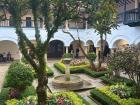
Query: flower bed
<point x="60" y="98"/>
<point x="109" y="98"/>
<point x="80" y="69"/>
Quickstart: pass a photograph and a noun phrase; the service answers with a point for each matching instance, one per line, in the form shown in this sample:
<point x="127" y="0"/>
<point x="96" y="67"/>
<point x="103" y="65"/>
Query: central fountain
<point x="67" y="81"/>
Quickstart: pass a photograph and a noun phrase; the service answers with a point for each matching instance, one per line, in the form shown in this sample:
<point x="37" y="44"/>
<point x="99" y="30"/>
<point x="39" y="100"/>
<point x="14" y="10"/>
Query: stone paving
<point x="3" y="71"/>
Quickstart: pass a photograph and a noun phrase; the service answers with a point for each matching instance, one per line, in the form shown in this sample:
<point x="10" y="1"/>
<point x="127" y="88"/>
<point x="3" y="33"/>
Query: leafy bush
<point x="29" y="91"/>
<point x="121" y="90"/>
<point x="67" y="55"/>
<point x="91" y="56"/>
<point x="4" y="95"/>
<point x="19" y="76"/>
<point x="128" y="62"/>
<point x="24" y="60"/>
<point x="130" y="101"/>
<point x="12" y="102"/>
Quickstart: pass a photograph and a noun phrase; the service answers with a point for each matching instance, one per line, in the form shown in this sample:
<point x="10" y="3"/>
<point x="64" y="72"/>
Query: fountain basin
<point x="60" y="82"/>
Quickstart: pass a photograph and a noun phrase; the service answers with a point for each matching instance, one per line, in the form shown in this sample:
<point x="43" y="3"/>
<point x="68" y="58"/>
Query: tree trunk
<point x="41" y="90"/>
<point x="101" y="51"/>
<point x="137" y="90"/>
<point x="42" y="81"/>
<point x="92" y="66"/>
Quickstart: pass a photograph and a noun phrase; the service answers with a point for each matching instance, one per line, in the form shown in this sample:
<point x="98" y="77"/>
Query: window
<point x="28" y="22"/>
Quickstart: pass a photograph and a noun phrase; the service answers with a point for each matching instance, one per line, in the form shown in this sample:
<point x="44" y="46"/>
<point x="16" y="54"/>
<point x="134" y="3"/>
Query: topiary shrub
<point x="19" y="76"/>
<point x="91" y="56"/>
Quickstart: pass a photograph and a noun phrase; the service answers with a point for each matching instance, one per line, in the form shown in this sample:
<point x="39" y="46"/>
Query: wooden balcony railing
<point x="131" y="17"/>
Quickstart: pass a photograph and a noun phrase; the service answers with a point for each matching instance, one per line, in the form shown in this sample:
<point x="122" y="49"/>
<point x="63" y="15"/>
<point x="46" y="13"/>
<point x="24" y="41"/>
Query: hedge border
<point x="103" y="99"/>
<point x="116" y="80"/>
<point x="81" y="70"/>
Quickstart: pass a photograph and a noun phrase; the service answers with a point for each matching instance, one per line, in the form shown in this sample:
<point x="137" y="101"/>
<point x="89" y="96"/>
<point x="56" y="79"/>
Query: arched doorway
<point x="74" y="46"/>
<point x="9" y="46"/>
<point x="120" y="44"/>
<point x="55" y="49"/>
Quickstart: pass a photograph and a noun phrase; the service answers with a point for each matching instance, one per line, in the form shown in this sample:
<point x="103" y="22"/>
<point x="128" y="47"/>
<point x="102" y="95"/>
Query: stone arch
<point x="118" y="38"/>
<point x="9" y="46"/>
<point x="74" y="46"/>
<point x="104" y="42"/>
<point x="120" y="43"/>
<point x="55" y="49"/>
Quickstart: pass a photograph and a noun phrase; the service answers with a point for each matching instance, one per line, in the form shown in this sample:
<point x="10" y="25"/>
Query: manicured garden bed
<point x="115" y="80"/>
<point x="80" y="69"/>
<point x="63" y="98"/>
<point x="107" y="97"/>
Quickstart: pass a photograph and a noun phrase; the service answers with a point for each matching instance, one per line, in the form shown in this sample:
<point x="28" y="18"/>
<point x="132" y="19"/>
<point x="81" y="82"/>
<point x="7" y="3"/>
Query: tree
<point x="102" y="17"/>
<point x="53" y="12"/>
<point x="127" y="61"/>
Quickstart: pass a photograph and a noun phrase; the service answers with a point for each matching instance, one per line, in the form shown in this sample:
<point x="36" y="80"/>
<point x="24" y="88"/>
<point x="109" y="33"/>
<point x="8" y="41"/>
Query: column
<point x="46" y="57"/>
<point x="136" y="3"/>
<point x="20" y="56"/>
<point x="67" y="49"/>
<point x="86" y="49"/>
<point x="86" y="27"/>
<point x="97" y="53"/>
<point x="66" y="25"/>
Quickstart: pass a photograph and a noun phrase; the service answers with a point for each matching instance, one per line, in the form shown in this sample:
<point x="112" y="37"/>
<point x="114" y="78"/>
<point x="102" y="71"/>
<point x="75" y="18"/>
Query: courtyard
<point x="69" y="52"/>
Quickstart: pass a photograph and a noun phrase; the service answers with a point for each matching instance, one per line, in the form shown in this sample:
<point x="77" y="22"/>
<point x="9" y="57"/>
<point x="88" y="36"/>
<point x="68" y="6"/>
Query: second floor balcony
<point x="131" y="17"/>
<point x="30" y="24"/>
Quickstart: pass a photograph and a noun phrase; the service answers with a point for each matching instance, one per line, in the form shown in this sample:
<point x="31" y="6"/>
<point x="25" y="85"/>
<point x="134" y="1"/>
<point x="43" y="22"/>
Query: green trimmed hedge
<point x="96" y="94"/>
<point x="49" y="71"/>
<point x="115" y="80"/>
<point x="80" y="69"/>
<point x="106" y="97"/>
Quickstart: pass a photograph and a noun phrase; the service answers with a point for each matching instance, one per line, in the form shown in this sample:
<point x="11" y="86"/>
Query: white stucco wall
<point x="124" y="32"/>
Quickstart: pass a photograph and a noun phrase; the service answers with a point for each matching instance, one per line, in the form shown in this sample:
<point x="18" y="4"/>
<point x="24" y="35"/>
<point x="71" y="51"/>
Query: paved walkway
<point x="3" y="71"/>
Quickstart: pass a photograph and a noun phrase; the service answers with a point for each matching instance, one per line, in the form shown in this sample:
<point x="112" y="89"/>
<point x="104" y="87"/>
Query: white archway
<point x="74" y="45"/>
<point x="120" y="43"/>
<point x="9" y="46"/>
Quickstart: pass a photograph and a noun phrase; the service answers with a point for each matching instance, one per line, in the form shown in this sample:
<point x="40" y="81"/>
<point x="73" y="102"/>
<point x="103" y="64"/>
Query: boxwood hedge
<point x="80" y="69"/>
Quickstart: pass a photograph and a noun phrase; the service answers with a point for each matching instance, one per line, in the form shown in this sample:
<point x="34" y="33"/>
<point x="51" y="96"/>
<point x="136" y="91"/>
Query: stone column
<point x="46" y="58"/>
<point x="20" y="56"/>
<point x="67" y="25"/>
<point x="86" y="27"/>
<point x="97" y="53"/>
<point x="67" y="49"/>
<point x="86" y="49"/>
<point x="136" y="3"/>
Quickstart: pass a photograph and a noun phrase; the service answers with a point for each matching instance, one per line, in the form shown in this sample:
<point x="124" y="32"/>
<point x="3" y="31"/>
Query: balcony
<point x="30" y="24"/>
<point x="130" y="18"/>
<point x="25" y="24"/>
